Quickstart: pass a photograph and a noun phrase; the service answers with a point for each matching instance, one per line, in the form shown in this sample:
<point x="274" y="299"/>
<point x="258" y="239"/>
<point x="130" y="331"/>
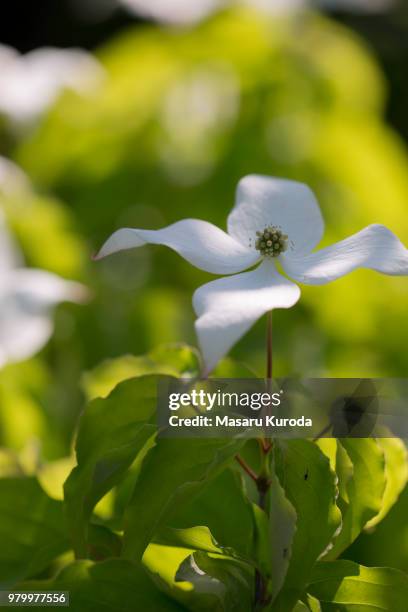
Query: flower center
<point x="271" y="242"/>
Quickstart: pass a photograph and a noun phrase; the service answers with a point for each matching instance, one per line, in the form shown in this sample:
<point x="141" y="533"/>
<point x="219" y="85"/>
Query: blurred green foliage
<point x="180" y="118"/>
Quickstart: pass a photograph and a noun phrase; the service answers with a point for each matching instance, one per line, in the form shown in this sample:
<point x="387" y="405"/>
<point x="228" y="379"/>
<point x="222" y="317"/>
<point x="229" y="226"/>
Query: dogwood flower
<point x="30" y="83"/>
<point x="274" y="222"/>
<point x="27" y="299"/>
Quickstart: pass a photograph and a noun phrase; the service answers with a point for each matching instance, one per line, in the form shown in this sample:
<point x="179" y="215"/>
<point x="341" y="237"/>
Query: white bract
<point x="30" y="83"/>
<point x="187" y="12"/>
<point x="27" y="299"/>
<point x="273" y="221"/>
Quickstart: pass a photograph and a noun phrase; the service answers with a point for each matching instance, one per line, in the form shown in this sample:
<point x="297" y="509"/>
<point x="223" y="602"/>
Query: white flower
<point x="273" y="221"/>
<point x="173" y="11"/>
<point x="27" y="299"/>
<point x="187" y="12"/>
<point x="12" y="179"/>
<point x="30" y="83"/>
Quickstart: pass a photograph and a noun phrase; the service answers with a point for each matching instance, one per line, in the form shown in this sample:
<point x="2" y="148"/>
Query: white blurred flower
<point x="187" y="11"/>
<point x="273" y="221"/>
<point x="12" y="178"/>
<point x="30" y="83"/>
<point x="174" y="11"/>
<point x="27" y="296"/>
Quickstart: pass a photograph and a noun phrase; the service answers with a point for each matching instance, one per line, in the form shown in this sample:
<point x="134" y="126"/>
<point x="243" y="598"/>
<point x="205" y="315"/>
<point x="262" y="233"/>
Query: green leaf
<point x="179" y="360"/>
<point x="229" y="368"/>
<point x="116" y="585"/>
<point x="197" y="539"/>
<point x="212" y="507"/>
<point x="52" y="475"/>
<point x="300" y="607"/>
<point x="9" y="463"/>
<point x="341" y="464"/>
<point x="194" y="538"/>
<point x="313" y="603"/>
<point x="173" y="567"/>
<point x="111" y="433"/>
<point x="364" y="490"/>
<point x="346" y="586"/>
<point x="32" y="530"/>
<point x="282" y="529"/>
<point x="219" y="584"/>
<point x="309" y="484"/>
<point x="309" y="604"/>
<point x="328" y="446"/>
<point x="345" y="472"/>
<point x="103" y="543"/>
<point x="274" y="536"/>
<point x="184" y="360"/>
<point x="163" y="561"/>
<point x="172" y="472"/>
<point x="262" y="543"/>
<point x="396" y="473"/>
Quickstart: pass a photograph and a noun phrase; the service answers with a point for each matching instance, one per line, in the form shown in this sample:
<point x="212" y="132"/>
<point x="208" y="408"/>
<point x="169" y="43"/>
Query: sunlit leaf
<point x="396" y="473"/>
<point x="346" y="586"/>
<point x="111" y="433"/>
<point x="171" y="563"/>
<point x="313" y="603"/>
<point x="365" y="490"/>
<point x="387" y="544"/>
<point x="162" y="563"/>
<point x="309" y="604"/>
<point x="194" y="538"/>
<point x="172" y="360"/>
<point x="301" y="607"/>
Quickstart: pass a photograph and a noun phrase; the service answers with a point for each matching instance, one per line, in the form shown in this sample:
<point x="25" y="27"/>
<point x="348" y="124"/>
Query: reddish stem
<point x="269" y="361"/>
<point x="246" y="468"/>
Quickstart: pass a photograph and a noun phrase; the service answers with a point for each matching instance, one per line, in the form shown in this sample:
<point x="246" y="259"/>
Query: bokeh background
<point x="181" y="112"/>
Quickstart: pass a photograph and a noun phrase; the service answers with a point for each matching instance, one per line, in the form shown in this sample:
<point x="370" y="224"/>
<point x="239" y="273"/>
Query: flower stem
<point x="269" y="360"/>
<point x="263" y="481"/>
<point x="246" y="468"/>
